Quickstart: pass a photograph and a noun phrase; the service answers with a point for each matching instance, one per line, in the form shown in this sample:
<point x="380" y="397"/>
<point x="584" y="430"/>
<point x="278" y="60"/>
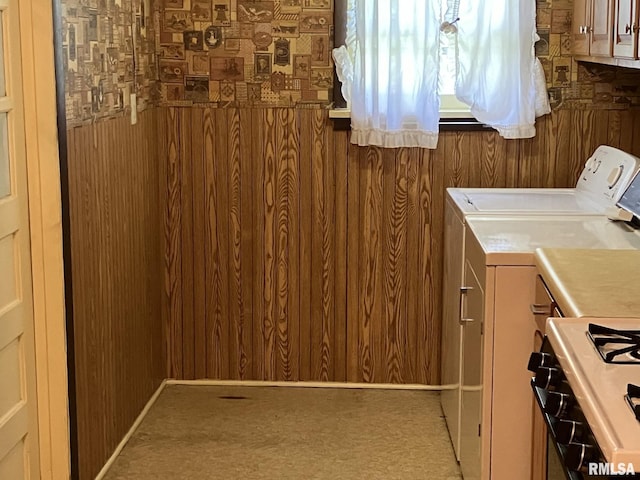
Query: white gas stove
<point x="587" y="379"/>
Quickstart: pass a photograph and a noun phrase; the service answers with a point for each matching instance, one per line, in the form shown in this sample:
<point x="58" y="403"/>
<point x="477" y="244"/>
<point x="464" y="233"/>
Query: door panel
<point x="5" y="184"/>
<point x="8" y="292"/>
<point x="18" y="422"/>
<point x="11" y="394"/>
<point x="12" y="465"/>
<point x="624" y="35"/>
<point x="602" y="23"/>
<point x="451" y="329"/>
<point x="471" y="394"/>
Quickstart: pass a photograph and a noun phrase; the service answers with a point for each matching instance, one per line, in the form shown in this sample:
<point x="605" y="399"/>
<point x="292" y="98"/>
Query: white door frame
<point x="45" y="222"/>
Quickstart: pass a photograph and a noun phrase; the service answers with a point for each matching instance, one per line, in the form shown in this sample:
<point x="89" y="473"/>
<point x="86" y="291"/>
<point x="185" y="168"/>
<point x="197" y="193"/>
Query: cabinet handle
<point x="627" y="28"/>
<point x="540" y="309"/>
<point x="464" y="321"/>
<point x="635" y="28"/>
<point x="588" y="29"/>
<point x="465" y="289"/>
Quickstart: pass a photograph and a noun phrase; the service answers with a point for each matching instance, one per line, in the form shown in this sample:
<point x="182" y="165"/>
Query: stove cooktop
<point x="599" y="386"/>
<point x="615" y="346"/>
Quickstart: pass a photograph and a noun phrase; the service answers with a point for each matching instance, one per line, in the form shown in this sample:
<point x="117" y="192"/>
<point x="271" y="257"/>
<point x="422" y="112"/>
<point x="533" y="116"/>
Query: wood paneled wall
<point x="116" y="225"/>
<point x="294" y="255"/>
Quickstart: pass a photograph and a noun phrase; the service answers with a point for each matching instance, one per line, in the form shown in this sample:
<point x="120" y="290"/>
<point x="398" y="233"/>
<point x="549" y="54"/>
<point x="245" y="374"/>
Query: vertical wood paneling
<point x="412" y="273"/>
<point x="306" y="241"/>
<point x="173" y="235"/>
<point x="240" y="329"/>
<point x="187" y="237"/>
<point x="395" y="222"/>
<point x="116" y="258"/>
<point x="293" y="241"/>
<point x="213" y="259"/>
<point x="340" y="156"/>
<point x="283" y="362"/>
<point x="219" y="346"/>
<point x="315" y="259"/>
<point x="370" y="294"/>
<point x="626" y="130"/>
<point x="322" y="294"/>
<point x="247" y="232"/>
<point x="269" y="323"/>
<point x="562" y="134"/>
<point x="256" y="134"/>
<point x="354" y="370"/>
<point x="198" y="172"/>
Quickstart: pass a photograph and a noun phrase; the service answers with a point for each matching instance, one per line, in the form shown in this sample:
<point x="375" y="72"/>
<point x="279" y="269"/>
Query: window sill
<point x="449" y="121"/>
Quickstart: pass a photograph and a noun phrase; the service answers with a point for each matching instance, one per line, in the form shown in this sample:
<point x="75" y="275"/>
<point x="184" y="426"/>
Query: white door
<point x="18" y="422"/>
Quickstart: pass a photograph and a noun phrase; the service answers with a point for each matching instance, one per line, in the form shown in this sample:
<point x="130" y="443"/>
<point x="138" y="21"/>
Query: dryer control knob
<point x="614" y="176"/>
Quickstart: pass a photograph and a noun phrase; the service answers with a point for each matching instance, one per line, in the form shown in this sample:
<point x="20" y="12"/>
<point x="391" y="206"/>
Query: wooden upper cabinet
<point x="626" y="29"/>
<point x="580" y="26"/>
<point x="601" y="28"/>
<point x="592" y="27"/>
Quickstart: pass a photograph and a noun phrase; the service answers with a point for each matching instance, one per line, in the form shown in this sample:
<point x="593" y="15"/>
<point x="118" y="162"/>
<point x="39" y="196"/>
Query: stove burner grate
<point x="633" y="399"/>
<point x="616" y="346"/>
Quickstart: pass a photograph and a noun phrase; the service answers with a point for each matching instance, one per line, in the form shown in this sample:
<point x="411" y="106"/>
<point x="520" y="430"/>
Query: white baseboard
<point x="131" y="431"/>
<point x="259" y="383"/>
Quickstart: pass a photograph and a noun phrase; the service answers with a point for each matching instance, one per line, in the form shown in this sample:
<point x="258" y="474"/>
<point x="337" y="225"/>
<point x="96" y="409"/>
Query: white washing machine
<point x="604" y="178"/>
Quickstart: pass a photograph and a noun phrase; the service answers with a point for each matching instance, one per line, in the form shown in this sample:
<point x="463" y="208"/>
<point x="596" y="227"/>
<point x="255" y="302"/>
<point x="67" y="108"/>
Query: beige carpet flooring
<point x="204" y="432"/>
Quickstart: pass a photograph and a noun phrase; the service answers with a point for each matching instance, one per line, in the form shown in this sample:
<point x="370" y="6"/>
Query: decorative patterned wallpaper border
<point x="261" y="53"/>
<point x="108" y="53"/>
<point x="245" y="52"/>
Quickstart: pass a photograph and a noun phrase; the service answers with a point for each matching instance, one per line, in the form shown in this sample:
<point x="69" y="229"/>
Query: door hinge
<point x="479" y="429"/>
<point x="482" y="328"/>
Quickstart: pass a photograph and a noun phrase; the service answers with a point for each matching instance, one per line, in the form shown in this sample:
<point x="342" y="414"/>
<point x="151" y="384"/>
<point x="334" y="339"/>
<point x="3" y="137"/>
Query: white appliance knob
<point x="614" y="176"/>
<point x="589" y="164"/>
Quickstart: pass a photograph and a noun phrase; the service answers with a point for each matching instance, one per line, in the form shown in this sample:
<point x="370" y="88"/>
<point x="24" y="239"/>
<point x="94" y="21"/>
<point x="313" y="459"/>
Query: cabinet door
<point x="451" y="329"/>
<point x="601" y="28"/>
<point x="624" y="39"/>
<point x="580" y="25"/>
<point x="471" y="391"/>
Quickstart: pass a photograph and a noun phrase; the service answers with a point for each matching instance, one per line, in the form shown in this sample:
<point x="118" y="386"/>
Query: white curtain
<point x="391" y="64"/>
<point x="499" y="76"/>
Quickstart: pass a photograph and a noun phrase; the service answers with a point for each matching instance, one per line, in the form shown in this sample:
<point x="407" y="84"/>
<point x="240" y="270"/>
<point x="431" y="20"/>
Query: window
<point x="405" y="64"/>
<point x="450" y="106"/>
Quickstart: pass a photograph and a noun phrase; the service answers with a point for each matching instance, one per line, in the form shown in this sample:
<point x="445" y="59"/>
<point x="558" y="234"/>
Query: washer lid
<point x="562" y="202"/>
